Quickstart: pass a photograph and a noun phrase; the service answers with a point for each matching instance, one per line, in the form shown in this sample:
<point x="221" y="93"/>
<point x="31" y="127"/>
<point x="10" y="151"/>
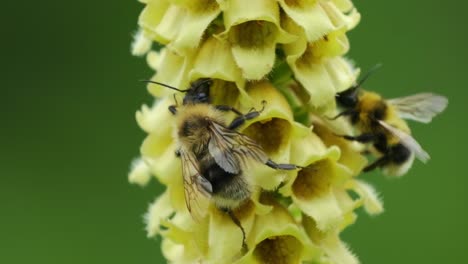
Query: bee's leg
<point x="240" y="120"/>
<point x="226" y="108"/>
<point x="282" y="166"/>
<point x="344" y="113"/>
<point x="363" y="138"/>
<point x="377" y="163"/>
<point x="173" y="109"/>
<point x="236" y="221"/>
<point x="366" y="152"/>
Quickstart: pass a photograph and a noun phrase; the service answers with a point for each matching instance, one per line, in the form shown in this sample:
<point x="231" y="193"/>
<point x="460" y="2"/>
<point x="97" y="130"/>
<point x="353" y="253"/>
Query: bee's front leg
<point x="282" y="166"/>
<point x="240" y="120"/>
<point x="382" y="161"/>
<point x="237" y="222"/>
<point x="173" y="109"/>
<point x="363" y="138"/>
<point x="226" y="108"/>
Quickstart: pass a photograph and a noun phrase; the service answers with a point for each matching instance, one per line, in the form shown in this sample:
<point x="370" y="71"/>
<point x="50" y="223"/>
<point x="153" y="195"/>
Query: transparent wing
<point x="420" y="107"/>
<point x="408" y="141"/>
<point x="197" y="189"/>
<point x="230" y="148"/>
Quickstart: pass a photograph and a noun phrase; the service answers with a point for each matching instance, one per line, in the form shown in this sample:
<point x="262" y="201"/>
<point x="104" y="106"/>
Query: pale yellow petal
<point x="199" y="14"/>
<point x="215" y="60"/>
<point x="305" y="150"/>
<point x="151" y="17"/>
<point x="184" y="240"/>
<point x="369" y="196"/>
<point x="253" y="33"/>
<point x="150" y="119"/>
<point x="313" y="192"/>
<point x="272" y="130"/>
<point x="278" y="241"/>
<point x="139" y="173"/>
<point x="333" y="248"/>
<point x="350" y="151"/>
<point x="153" y="58"/>
<point x="141" y="44"/>
<point x="173" y="71"/>
<point x="158" y="211"/>
<point x="310" y="15"/>
<point x="323" y="79"/>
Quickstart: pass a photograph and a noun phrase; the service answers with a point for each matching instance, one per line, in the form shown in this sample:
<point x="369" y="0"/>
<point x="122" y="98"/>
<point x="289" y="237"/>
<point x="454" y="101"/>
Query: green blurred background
<point x="70" y="90"/>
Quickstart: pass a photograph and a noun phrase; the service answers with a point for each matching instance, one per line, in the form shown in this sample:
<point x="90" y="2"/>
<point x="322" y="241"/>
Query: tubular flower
<point x="284" y="57"/>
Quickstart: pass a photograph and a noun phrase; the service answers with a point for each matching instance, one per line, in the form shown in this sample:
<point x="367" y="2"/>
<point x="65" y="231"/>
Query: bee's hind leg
<point x="236" y="221"/>
<point x="382" y="161"/>
<point x="282" y="166"/>
<point x="172" y="109"/>
<point x="226" y="108"/>
<point x="363" y="138"/>
<point x="241" y="118"/>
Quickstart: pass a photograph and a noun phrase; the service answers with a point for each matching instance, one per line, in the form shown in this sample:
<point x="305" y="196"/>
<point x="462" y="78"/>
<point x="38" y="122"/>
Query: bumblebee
<point x="214" y="155"/>
<point x="381" y="122"/>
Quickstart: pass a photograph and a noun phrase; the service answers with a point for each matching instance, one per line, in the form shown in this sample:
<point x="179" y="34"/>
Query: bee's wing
<point x="408" y="141"/>
<point x="229" y="148"/>
<point x="420" y="107"/>
<point x="197" y="189"/>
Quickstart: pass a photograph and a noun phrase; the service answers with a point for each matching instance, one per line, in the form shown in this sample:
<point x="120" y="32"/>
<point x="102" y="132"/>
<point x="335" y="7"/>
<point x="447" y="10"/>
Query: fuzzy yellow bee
<point x="214" y="155"/>
<point x="381" y="122"/>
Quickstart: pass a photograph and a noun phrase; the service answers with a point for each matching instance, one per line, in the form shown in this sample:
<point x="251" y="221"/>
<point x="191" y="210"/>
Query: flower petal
<point x="272" y="130"/>
<point x="313" y="191"/>
<point x="151" y="17"/>
<point x="253" y="33"/>
<point x="141" y="44"/>
<point x="158" y="211"/>
<point x="278" y="241"/>
<point x="369" y="196"/>
<point x="323" y="79"/>
<point x="214" y="60"/>
<point x="222" y="226"/>
<point x="310" y="15"/>
<point x="174" y="72"/>
<point x="139" y="173"/>
<point x="334" y="249"/>
<point x="350" y="152"/>
<point x="194" y="23"/>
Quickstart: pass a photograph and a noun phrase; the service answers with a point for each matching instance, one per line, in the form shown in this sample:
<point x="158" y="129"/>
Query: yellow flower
<point x="288" y="54"/>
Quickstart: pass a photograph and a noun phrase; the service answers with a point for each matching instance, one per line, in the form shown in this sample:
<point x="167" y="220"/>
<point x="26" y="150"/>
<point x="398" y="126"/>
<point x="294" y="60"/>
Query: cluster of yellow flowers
<point x="288" y="53"/>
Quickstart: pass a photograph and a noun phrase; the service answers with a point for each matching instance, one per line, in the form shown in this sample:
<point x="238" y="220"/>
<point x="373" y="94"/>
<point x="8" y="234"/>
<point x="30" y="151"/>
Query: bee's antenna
<point x="165" y="85"/>
<point x="368" y="74"/>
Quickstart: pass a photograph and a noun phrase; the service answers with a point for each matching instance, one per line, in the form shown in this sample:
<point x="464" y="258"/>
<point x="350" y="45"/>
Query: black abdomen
<point x="399" y="154"/>
<point x="226" y="185"/>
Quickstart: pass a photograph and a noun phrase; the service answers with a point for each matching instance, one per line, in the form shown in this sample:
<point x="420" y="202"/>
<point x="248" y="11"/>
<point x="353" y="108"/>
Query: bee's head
<point x="349" y="98"/>
<point x="199" y="92"/>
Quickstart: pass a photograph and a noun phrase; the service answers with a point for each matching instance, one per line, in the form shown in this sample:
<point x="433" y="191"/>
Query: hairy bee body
<point x="381" y="123"/>
<point x="213" y="153"/>
<point x="371" y="109"/>
<point x="229" y="190"/>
